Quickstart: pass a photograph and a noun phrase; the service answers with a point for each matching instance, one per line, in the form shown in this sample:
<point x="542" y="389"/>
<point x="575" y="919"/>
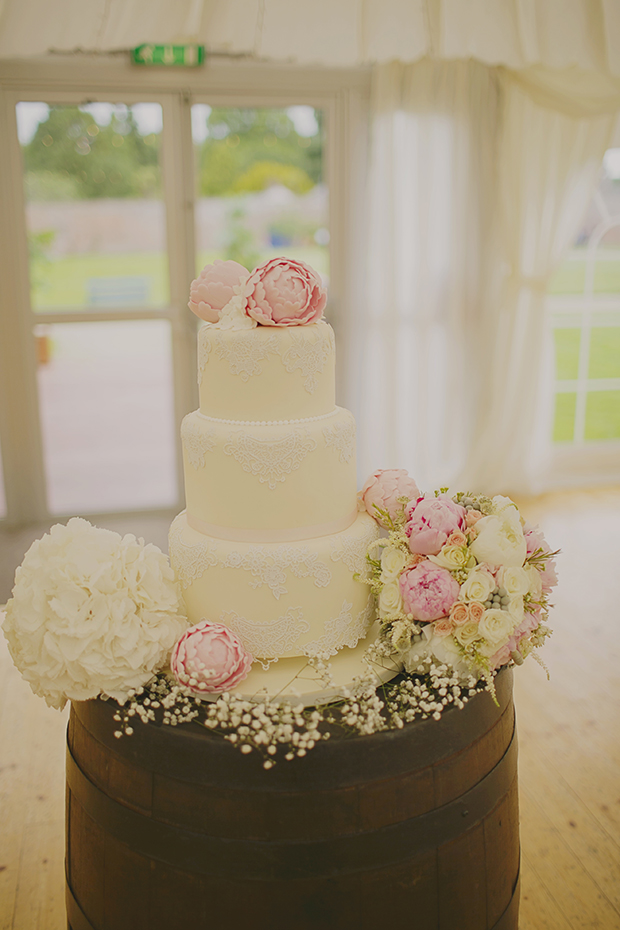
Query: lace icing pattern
<point x="197" y="443"/>
<point x="190" y="562"/>
<point x="309" y="357"/>
<point x="245" y="352"/>
<point x="270" y="460"/>
<point x="341" y="438"/>
<point x="204" y="350"/>
<point x="268" y="640"/>
<point x="352" y="550"/>
<point x="343" y="630"/>
<point x="269" y="567"/>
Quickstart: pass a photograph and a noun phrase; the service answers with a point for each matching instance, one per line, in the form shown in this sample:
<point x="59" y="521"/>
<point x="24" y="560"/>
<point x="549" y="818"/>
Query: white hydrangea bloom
<point x="92" y="613"/>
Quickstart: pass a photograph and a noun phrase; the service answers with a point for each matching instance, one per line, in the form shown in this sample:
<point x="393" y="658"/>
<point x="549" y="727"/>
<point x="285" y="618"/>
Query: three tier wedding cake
<point x="272" y="544"/>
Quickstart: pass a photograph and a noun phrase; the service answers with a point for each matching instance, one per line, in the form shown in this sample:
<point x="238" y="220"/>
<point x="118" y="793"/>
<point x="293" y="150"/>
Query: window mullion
<point x="179" y="196"/>
<point x="20" y="433"/>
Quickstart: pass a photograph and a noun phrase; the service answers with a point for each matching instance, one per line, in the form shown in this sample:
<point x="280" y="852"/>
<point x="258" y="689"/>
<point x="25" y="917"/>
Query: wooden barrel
<point x="174" y="827"/>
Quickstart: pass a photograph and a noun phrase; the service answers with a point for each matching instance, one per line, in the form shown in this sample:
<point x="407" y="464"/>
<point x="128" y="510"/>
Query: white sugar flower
<point x="92" y="613"/>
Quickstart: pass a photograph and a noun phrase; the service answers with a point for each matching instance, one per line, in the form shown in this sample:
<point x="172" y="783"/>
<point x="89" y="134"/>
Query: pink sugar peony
<point x="428" y="591"/>
<point x="209" y="659"/>
<point x="213" y="288"/>
<point x="383" y="489"/>
<point x="431" y="520"/>
<point x="284" y="292"/>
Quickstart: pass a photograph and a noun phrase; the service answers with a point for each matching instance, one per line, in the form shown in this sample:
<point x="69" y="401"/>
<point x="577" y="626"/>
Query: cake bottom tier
<point x="282" y="599"/>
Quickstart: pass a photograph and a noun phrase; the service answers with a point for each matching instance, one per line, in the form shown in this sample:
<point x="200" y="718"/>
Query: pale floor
<point x="569" y="735"/>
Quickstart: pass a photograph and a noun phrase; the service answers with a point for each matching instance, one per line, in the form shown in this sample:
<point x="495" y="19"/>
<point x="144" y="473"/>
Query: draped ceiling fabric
<point x="516" y="33"/>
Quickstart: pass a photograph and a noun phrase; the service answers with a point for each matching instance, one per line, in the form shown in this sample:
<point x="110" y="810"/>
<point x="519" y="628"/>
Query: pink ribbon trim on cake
<point x="235" y="534"/>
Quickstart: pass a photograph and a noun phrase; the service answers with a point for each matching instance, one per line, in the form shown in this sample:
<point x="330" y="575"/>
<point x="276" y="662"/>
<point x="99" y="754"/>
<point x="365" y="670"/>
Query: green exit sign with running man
<point x="184" y="56"/>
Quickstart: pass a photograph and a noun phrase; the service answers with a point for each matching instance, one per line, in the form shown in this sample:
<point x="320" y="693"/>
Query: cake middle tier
<point x="281" y="599"/>
<point x="274" y="481"/>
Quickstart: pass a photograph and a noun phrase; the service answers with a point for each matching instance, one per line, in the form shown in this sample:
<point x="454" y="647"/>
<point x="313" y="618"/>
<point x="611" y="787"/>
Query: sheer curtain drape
<point x="476" y="185"/>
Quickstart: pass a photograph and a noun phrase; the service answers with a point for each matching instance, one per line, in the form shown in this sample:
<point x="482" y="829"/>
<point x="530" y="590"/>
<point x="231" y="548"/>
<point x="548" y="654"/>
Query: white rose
<point x="500" y="539"/>
<point x="447" y="651"/>
<point x="515" y="609"/>
<point x="535" y="582"/>
<point x="453" y="557"/>
<point x="496" y="627"/>
<point x="390" y="601"/>
<point x="467" y="633"/>
<point x="514" y="579"/>
<point x="477" y="586"/>
<point x="393" y="561"/>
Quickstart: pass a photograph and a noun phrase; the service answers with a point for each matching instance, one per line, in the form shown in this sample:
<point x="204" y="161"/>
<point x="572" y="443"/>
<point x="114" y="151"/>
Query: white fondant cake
<point x="271" y="543"/>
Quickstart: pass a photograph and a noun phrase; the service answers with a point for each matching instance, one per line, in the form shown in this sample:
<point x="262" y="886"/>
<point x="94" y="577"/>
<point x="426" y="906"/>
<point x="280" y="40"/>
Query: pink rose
<point x="472" y="517"/>
<point x="210" y="658"/>
<point x="457" y="539"/>
<point x="284" y="292"/>
<point x="443" y="627"/>
<point x="213" y="288"/>
<point x="428" y="591"/>
<point x="431" y="520"/>
<point x="476" y="610"/>
<point x="459" y="613"/>
<point x="383" y="489"/>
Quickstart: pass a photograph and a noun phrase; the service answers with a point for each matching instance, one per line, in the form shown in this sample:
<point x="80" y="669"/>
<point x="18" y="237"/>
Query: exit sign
<point x="184" y="56"/>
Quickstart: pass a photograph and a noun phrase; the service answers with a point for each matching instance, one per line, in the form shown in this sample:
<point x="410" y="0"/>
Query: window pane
<point x="94" y="208"/>
<point x="105" y="393"/>
<point x="605" y="352"/>
<point x="603" y="415"/>
<point x="260" y="185"/>
<point x="567" y="353"/>
<point x="564" y="420"/>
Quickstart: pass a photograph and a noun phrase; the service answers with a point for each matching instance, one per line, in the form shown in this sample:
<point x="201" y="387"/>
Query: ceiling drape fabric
<point x="477" y="185"/>
<point x="516" y="33"/>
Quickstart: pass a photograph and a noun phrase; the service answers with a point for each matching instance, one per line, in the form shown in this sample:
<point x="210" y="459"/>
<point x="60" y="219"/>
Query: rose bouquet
<point x="460" y="580"/>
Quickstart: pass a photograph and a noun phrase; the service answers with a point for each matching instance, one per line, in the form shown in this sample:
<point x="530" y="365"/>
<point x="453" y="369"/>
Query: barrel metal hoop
<point x="260" y="860"/>
<point x="510" y="918"/>
<point x="76" y="917"/>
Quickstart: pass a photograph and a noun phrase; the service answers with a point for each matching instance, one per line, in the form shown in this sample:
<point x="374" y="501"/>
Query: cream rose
<point x="390" y="601"/>
<point x="515" y="609"/>
<point x="534" y="582"/>
<point x="514" y="580"/>
<point x="452" y="557"/>
<point x="496" y="627"/>
<point x="477" y="586"/>
<point x="467" y="633"/>
<point x="393" y="561"/>
<point x="500" y="539"/>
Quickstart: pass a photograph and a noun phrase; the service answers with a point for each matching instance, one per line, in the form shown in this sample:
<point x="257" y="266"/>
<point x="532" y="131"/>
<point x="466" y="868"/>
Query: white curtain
<point x="346" y="33"/>
<point x="475" y="190"/>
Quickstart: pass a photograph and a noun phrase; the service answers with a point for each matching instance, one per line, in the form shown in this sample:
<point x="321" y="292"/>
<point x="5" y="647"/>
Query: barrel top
<point x="191" y="752"/>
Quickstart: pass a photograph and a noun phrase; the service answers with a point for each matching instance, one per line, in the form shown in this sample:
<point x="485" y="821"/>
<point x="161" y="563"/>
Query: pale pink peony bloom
<point x="383" y="489"/>
<point x="284" y="292"/>
<point x="213" y="288"/>
<point x="431" y="521"/>
<point x="534" y="539"/>
<point x="499" y="658"/>
<point x="459" y="613"/>
<point x="210" y="659"/>
<point x="428" y="591"/>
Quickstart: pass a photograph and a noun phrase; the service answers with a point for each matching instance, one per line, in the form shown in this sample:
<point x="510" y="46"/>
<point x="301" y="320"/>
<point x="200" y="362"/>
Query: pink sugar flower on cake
<point x="428" y="592"/>
<point x="284" y="292"/>
<point x="430" y="521"/>
<point x="214" y="287"/>
<point x="210" y="659"/>
<point x="383" y="490"/>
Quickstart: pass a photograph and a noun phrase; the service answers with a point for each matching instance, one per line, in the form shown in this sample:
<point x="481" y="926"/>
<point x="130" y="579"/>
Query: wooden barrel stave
<point x="434" y="846"/>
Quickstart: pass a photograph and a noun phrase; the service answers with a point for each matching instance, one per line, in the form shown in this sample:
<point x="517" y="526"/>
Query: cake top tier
<point x="265" y="353"/>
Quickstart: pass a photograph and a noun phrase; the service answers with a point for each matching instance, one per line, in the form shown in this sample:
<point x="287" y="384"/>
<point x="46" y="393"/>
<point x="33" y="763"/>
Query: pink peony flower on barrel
<point x="213" y="288"/>
<point x="428" y="592"/>
<point x="383" y="489"/>
<point x="284" y="292"/>
<point x="431" y="521"/>
<point x="209" y="659"/>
